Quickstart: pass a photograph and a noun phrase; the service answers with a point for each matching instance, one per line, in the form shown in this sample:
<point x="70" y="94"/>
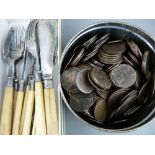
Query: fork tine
<point x="7" y="43"/>
<point x="19" y="37"/>
<point x="33" y="28"/>
<point x="13" y="39"/>
<point x="22" y="38"/>
<point x="30" y="27"/>
<point x="16" y="37"/>
<point x="28" y="32"/>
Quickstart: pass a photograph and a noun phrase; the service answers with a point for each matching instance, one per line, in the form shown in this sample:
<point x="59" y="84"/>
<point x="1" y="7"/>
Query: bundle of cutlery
<point x="29" y="105"/>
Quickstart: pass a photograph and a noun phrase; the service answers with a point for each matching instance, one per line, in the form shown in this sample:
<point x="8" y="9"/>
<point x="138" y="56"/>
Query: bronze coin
<point x="114" y="41"/>
<point x="102" y="40"/>
<point x="70" y="60"/>
<point x="152" y="85"/>
<point x="68" y="79"/>
<point x="147" y="90"/>
<point x="97" y="63"/>
<point x="143" y="95"/>
<point x="95" y="49"/>
<point x="133" y="59"/>
<point x="84" y="66"/>
<point x="81" y="102"/>
<point x="139" y="80"/>
<point x="100" y="77"/>
<point x="131" y="111"/>
<point x="127" y="102"/>
<point x="91" y="64"/>
<point x="89" y="42"/>
<point x="128" y="61"/>
<point x="82" y="81"/>
<point x="109" y="69"/>
<point x="101" y="110"/>
<point x="112" y="116"/>
<point x="114" y="47"/>
<point x="103" y="93"/>
<point x="92" y="82"/>
<point x="123" y="76"/>
<point x="146" y="64"/>
<point x="79" y="53"/>
<point x="135" y="49"/>
<point x="118" y="121"/>
<point x="115" y="98"/>
<point x="109" y="58"/>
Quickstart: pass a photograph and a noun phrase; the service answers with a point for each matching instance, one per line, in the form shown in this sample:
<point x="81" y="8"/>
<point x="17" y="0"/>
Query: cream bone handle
<point x="34" y="126"/>
<point x="40" y="121"/>
<point x="14" y="97"/>
<point x="24" y="108"/>
<point x="18" y="109"/>
<point x="50" y="108"/>
<point x="29" y="109"/>
<point x="6" y="116"/>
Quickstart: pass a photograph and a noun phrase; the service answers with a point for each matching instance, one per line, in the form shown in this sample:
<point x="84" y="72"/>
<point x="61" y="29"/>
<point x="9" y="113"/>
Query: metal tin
<point x="119" y="31"/>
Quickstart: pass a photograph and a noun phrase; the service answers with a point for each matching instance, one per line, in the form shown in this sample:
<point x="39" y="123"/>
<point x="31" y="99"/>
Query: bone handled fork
<point x="28" y="107"/>
<point x="39" y="97"/>
<point x="20" y="48"/>
<point x="13" y="50"/>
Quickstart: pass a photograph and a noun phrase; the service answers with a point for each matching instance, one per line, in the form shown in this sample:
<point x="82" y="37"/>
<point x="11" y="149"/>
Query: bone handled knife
<point x="47" y="37"/>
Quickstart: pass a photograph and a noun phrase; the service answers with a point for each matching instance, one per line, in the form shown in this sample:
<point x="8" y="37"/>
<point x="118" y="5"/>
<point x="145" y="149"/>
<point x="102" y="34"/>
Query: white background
<point x="92" y="145"/>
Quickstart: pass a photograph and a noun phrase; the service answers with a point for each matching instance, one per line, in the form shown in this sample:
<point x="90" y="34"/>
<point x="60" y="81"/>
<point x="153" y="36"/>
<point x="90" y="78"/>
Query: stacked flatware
<point x="30" y="109"/>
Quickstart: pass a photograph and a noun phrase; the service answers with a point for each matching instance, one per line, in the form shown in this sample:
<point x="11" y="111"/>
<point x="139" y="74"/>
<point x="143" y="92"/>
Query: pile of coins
<point x="108" y="80"/>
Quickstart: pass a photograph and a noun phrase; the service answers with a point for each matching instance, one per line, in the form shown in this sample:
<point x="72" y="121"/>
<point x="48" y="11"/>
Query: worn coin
<point x="128" y="61"/>
<point x="131" y="111"/>
<point x="147" y="90"/>
<point x="135" y="49"/>
<point x="152" y="85"/>
<point x="114" y="47"/>
<point x="100" y="77"/>
<point x="114" y="41"/>
<point x="89" y="42"/>
<point x="109" y="69"/>
<point x="123" y="76"/>
<point x="103" y="93"/>
<point x="95" y="49"/>
<point x="127" y="102"/>
<point x="70" y="60"/>
<point x="93" y="83"/>
<point x="108" y="58"/>
<point x="97" y="63"/>
<point x="82" y="81"/>
<point x="118" y="121"/>
<point x="101" y="110"/>
<point x="68" y="79"/>
<point x="102" y="40"/>
<point x="146" y="64"/>
<point x="133" y="59"/>
<point x="115" y="98"/>
<point x="81" y="102"/>
<point x="84" y="66"/>
<point x="139" y="80"/>
<point x="79" y="53"/>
